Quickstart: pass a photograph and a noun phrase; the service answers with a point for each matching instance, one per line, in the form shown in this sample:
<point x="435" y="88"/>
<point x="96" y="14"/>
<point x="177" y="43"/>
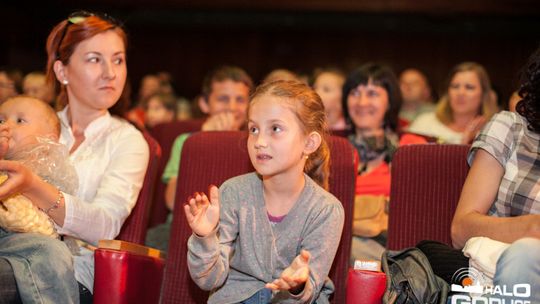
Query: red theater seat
<point x="122" y="276"/>
<point x="365" y="287"/>
<point x="165" y="134"/>
<point x="134" y="228"/>
<point x="426" y="185"/>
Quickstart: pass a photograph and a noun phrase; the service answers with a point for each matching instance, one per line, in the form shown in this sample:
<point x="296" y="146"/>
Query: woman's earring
<point x="65" y="82"/>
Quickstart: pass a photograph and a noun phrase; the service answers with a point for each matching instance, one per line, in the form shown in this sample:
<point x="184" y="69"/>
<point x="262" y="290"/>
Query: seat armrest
<point x="366" y="287"/>
<point x="127" y="273"/>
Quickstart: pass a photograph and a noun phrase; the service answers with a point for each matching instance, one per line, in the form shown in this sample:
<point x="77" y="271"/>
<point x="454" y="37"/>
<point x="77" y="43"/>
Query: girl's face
<point x="328" y="86"/>
<point x="367" y="105"/>
<point x="276" y="143"/>
<point x="96" y="72"/>
<point x="157" y="113"/>
<point x="465" y="93"/>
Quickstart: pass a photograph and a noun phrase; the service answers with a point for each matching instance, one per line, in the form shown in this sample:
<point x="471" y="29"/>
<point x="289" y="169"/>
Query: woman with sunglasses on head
<point x="87" y="56"/>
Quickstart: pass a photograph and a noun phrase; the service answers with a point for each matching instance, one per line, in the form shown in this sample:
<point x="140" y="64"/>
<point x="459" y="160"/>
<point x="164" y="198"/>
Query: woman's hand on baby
<point x="295" y="276"/>
<point x="202" y="213"/>
<point x="20" y="178"/>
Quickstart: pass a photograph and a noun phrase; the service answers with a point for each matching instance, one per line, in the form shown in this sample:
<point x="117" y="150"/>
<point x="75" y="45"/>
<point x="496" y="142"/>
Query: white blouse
<point x="428" y="124"/>
<point x="111" y="163"/>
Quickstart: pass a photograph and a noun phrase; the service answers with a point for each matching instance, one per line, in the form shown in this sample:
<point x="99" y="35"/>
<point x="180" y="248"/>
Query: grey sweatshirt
<point x="245" y="252"/>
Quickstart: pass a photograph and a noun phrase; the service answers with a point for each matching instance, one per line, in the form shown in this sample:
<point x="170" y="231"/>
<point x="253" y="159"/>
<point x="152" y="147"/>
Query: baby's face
<point x="26" y="119"/>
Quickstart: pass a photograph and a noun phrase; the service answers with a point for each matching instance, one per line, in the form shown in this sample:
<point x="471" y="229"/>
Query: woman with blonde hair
<point x="466" y="105"/>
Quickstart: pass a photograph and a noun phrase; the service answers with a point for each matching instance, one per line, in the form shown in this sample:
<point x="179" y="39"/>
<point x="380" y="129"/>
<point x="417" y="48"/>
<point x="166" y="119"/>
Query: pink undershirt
<point x="275" y="219"/>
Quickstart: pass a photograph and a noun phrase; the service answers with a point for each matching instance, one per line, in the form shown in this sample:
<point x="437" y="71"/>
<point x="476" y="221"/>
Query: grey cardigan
<point x="245" y="252"/>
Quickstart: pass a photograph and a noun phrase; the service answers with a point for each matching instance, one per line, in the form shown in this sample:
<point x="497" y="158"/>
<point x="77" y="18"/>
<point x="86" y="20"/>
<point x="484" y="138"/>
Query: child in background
<point x="271" y="235"/>
<point x="159" y="108"/>
<point x="328" y="83"/>
<point x="29" y="132"/>
<point x="35" y="85"/>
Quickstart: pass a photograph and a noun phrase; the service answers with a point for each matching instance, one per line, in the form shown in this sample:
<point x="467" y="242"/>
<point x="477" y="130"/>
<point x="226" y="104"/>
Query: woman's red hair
<point x="61" y="43"/>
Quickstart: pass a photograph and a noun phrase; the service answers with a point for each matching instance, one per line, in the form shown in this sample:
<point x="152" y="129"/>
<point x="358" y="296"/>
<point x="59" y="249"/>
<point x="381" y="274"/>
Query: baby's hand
<point x="295" y="276"/>
<point x="5" y="136"/>
<point x="203" y="214"/>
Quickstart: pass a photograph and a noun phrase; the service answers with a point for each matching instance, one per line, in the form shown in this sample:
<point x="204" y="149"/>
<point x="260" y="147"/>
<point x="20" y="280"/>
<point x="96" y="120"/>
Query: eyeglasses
<point x="78" y="17"/>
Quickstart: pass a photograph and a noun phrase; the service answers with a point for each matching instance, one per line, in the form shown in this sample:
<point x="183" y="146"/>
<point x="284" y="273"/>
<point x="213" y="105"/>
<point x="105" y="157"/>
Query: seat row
<point x="426" y="183"/>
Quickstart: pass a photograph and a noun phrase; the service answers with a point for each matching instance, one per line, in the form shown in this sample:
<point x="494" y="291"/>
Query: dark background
<point x="189" y="38"/>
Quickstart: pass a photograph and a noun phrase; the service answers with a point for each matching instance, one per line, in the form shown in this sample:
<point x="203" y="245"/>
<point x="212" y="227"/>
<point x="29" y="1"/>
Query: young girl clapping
<point x="271" y="235"/>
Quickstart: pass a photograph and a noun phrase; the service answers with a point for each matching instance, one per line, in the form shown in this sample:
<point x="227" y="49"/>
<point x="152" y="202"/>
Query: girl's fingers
<point x="193" y="206"/>
<point x="201" y="199"/>
<point x="301" y="275"/>
<point x="289" y="281"/>
<point x="271" y="286"/>
<point x="189" y="216"/>
<point x="214" y="195"/>
<point x="305" y="255"/>
<point x="283" y="285"/>
<point x="301" y="260"/>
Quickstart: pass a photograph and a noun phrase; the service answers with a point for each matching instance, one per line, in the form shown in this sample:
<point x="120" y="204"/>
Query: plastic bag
<point x="50" y="161"/>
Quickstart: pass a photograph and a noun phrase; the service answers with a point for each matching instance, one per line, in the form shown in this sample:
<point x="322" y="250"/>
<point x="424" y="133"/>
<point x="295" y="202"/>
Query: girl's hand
<point x="294" y="277"/>
<point x="203" y="214"/>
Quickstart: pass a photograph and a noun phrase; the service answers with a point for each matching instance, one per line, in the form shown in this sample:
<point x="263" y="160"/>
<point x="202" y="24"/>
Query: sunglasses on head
<point x="78" y="17"/>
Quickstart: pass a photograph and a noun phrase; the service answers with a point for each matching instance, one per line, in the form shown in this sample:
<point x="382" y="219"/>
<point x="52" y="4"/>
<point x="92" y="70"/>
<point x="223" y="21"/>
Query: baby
<point x="29" y="131"/>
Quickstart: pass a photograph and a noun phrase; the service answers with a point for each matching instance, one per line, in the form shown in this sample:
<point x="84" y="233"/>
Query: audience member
<point x="281" y="74"/>
<point x="271" y="235"/>
<point x="371" y="103"/>
<point x="35" y="85"/>
<point x="328" y="83"/>
<point x="159" y="108"/>
<point x="464" y="108"/>
<point x="416" y="94"/>
<point x="500" y="197"/>
<point x="87" y="55"/>
<point x="165" y="83"/>
<point x="225" y="97"/>
<point x="150" y="85"/>
<point x="513" y="101"/>
<point x="9" y="83"/>
<point x="183" y="109"/>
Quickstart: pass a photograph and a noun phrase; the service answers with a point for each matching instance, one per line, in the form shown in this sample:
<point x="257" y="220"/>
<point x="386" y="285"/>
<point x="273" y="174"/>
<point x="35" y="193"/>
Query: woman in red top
<point x="371" y="103"/>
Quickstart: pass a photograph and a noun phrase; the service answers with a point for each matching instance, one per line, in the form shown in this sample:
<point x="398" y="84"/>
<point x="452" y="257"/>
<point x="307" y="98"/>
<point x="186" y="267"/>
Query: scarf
<point x="373" y="147"/>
